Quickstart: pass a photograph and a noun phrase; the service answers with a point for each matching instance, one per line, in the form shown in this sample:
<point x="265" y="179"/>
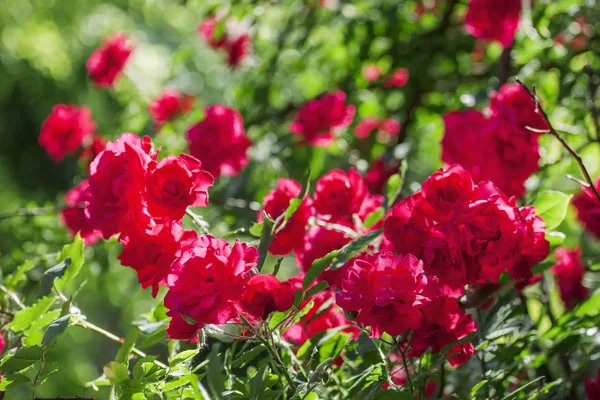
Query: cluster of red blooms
<point x="569" y="272"/>
<point x="588" y="209"/>
<point x="398" y="78"/>
<point x="497" y="145"/>
<point x="368" y="124"/>
<point x="235" y="41"/>
<point x="493" y="20"/>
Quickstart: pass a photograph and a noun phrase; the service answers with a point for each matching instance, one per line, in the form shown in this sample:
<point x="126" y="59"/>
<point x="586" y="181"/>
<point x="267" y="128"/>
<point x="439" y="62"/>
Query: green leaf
<point x="374" y="217"/>
<point x="257" y="383"/>
<point x="590" y="307"/>
<point x="74" y="251"/>
<point x="20" y="274"/>
<point x="47" y="369"/>
<point x="354" y="247"/>
<point x="248" y="356"/>
<point x="317" y="267"/>
<point x="555" y="238"/>
<point x="56" y="328"/>
<point x="215" y="376"/>
<point x="256" y="229"/>
<point x="24" y="318"/>
<point x="394" y="185"/>
<point x="122" y="356"/>
<point x="277" y="266"/>
<point x="177" y="383"/>
<point x="514" y="393"/>
<point x="12" y="380"/>
<point x="292" y="208"/>
<point x="115" y="372"/>
<point x="183" y="356"/>
<point x="50" y="275"/>
<point x="318" y="288"/>
<point x="23" y="358"/>
<point x="266" y="237"/>
<point x="552" y="206"/>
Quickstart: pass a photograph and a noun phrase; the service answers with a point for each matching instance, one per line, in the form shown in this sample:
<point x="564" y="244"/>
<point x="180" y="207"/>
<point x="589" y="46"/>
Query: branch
<point x="198" y="220"/>
<point x="562" y="141"/>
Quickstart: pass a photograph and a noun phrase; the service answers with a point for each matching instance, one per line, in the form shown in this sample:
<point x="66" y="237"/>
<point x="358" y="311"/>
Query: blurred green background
<point x="300" y="50"/>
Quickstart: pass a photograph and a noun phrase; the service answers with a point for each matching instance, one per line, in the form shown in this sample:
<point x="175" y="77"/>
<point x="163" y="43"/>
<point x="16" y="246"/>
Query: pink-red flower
<point x="114" y="198"/>
<point x="592" y="387"/>
<point x="569" y="273"/>
<point x="448" y="190"/>
<point x="364" y="128"/>
<point x="65" y="129"/>
<point x="339" y="194"/>
<point x="234" y="40"/>
<point x="74" y="216"/>
<point x="320" y="118"/>
<point x="106" y="63"/>
<point x="371" y="72"/>
<point x="219" y="141"/>
<point x="398" y="79"/>
<point x="513" y="104"/>
<point x="495" y="20"/>
<point x="206" y="284"/>
<point x="173" y="184"/>
<point x="386" y="292"/>
<point x="276" y="202"/>
<point x="169" y="105"/>
<point x="265" y="294"/>
<point x="588" y="209"/>
<point x="151" y="252"/>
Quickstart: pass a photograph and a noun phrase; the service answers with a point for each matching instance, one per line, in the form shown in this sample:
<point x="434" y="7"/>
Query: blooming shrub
<point x="309" y="200"/>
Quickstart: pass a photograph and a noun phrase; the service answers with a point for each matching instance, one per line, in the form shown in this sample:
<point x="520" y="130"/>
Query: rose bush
<point x="311" y="200"/>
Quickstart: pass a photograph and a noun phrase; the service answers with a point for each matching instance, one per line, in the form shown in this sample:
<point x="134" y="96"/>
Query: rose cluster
<point x="466" y="233"/>
<point x="497" y="145"/>
<point x="233" y="39"/>
<point x="493" y="20"/>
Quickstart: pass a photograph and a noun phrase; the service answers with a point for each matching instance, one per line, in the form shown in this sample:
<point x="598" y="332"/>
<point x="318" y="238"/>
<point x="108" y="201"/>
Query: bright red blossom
<point x="318" y="120"/>
<point x="265" y="294"/>
<point x="339" y="194"/>
<point x="496" y="20"/>
<point x="398" y="79"/>
<point x="219" y="141"/>
<point x="514" y="104"/>
<point x="569" y="273"/>
<point x="65" y="129"/>
<point x="74" y="216"/>
<point x="235" y="40"/>
<point x="173" y="184"/>
<point x="386" y="292"/>
<point x="276" y="202"/>
<point x="107" y="62"/>
<point x="170" y="104"/>
<point x="206" y="283"/>
<point x="588" y="209"/>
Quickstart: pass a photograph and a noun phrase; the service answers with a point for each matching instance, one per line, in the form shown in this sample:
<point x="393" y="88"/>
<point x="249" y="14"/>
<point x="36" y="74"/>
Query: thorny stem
<point x="37" y="376"/>
<point x="440" y="392"/>
<point x="562" y="141"/>
<point x="13" y="297"/>
<point x="404" y="363"/>
<point x="198" y="221"/>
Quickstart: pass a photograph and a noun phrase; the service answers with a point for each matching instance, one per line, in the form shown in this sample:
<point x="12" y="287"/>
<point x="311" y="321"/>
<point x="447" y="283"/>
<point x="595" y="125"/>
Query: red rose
<point x="235" y="41"/>
<point x="151" y="252"/>
<point x="460" y="143"/>
<point x="443" y="259"/>
<point x="379" y="173"/>
<point x="107" y="62"/>
<point x="318" y="120"/>
<point x="74" y="216"/>
<point x="364" y="128"/>
<point x="206" y="283"/>
<point x="588" y="209"/>
<point x="264" y="294"/>
<point x="89" y="152"/>
<point x="496" y="20"/>
<point x="592" y="388"/>
<point x="113" y="200"/>
<point x="371" y="72"/>
<point x="206" y="30"/>
<point x="449" y="190"/>
<point x="237" y="49"/>
<point x="386" y="291"/>
<point x="390" y="126"/>
<point x="339" y="195"/>
<point x="444" y="322"/>
<point x="513" y="104"/>
<point x="276" y="202"/>
<point x="398" y="79"/>
<point x="65" y="130"/>
<point x="169" y="105"/>
<point x="173" y="184"/>
<point x="569" y="273"/>
<point x="406" y="229"/>
<point x="219" y="141"/>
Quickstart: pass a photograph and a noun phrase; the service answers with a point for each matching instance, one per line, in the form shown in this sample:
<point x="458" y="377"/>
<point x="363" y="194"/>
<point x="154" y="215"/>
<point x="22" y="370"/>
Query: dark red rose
<point x="265" y="294"/>
<point x="460" y="145"/>
<point x="320" y="118"/>
<point x="588" y="209"/>
<point x="340" y="195"/>
<point x="386" y="291"/>
<point x="276" y="202"/>
<point x="151" y="252"/>
<point x="569" y="273"/>
<point x="237" y="49"/>
<point x="169" y="105"/>
<point x="448" y="190"/>
<point x="175" y="183"/>
<point x="219" y="141"/>
<point x="74" y="216"/>
<point x="113" y="199"/>
<point x="65" y="129"/>
<point x="207" y="282"/>
<point x="496" y="20"/>
<point x="107" y="62"/>
<point x="406" y="229"/>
